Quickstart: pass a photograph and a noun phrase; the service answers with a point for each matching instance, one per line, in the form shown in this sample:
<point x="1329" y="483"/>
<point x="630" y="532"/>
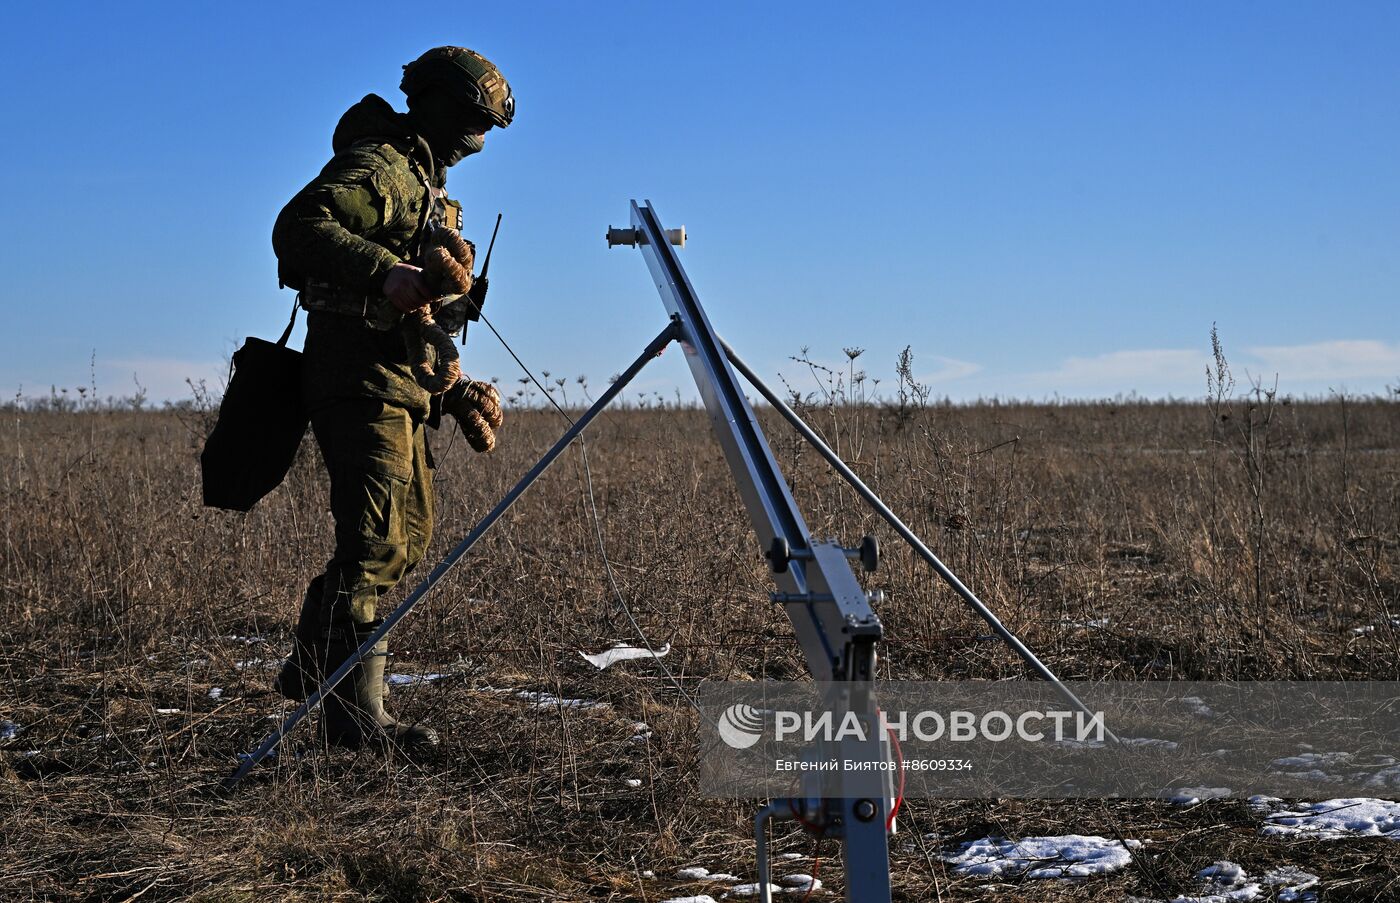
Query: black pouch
<point x="260" y="426"/>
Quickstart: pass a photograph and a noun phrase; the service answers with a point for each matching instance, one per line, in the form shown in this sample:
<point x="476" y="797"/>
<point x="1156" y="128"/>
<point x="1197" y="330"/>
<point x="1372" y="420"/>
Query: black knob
<point x="778" y="554"/>
<point x="870" y="553"/>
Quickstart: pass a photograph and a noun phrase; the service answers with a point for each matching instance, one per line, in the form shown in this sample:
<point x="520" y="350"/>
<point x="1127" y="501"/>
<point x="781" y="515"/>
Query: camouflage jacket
<point x="348" y="228"/>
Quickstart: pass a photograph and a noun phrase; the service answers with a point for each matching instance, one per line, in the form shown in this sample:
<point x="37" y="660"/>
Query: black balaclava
<point x="452" y="129"/>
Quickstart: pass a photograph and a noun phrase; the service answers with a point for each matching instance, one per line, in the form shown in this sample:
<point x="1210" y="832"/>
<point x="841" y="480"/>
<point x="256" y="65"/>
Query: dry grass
<point x="1240" y="542"/>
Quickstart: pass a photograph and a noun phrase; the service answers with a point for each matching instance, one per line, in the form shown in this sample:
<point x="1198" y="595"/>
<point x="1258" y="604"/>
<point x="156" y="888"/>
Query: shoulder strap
<point x="418" y="244"/>
<point x="287" y="333"/>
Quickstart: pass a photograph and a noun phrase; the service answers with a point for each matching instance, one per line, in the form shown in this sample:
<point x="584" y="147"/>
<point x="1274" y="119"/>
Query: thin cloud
<point x="1354" y="359"/>
<point x="1139" y="370"/>
<point x="164" y="379"/>
<point x="1307" y="367"/>
<point x="950" y="369"/>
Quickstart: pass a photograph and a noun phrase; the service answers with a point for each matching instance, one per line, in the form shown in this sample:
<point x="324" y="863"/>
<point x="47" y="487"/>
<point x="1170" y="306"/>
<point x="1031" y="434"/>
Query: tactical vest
<point x="376" y="310"/>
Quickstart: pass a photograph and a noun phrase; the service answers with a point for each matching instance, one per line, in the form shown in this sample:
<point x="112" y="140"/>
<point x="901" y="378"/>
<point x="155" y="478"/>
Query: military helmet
<point x="466" y="74"/>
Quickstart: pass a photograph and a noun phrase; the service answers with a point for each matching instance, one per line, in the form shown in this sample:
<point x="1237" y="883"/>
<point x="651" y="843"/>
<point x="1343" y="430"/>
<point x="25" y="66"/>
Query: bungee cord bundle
<point x="447" y="265"/>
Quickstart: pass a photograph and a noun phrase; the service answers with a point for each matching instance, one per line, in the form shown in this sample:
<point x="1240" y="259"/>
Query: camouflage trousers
<point x="381" y="499"/>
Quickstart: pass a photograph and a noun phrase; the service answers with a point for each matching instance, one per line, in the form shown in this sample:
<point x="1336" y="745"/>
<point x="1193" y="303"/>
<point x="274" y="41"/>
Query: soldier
<point x="351" y="243"/>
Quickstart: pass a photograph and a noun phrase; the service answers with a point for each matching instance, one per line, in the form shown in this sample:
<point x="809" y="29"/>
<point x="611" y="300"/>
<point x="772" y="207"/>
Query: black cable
<point x="597" y="523"/>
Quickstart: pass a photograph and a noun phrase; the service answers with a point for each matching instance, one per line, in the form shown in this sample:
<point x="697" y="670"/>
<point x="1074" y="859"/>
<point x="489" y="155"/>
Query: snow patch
<point x="1223" y="882"/>
<point x="216" y="693"/>
<point x="1336" y="819"/>
<point x="1369" y="629"/>
<point x="695" y="873"/>
<point x="1293" y="884"/>
<point x="1190" y="796"/>
<point x="1149" y="743"/>
<point x="1065" y="856"/>
<point x="1197" y="706"/>
<point x="798" y="883"/>
<point x="1313" y="760"/>
<point x="408" y="680"/>
<point x="1130" y="742"/>
<point x="1377" y="771"/>
<point x="1385" y="779"/>
<point x="540" y="700"/>
<point x="1227" y="882"/>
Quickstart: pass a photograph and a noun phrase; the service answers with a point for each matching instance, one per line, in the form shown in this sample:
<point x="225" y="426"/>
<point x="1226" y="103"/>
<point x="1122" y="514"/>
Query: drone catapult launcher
<point x="833" y="617"/>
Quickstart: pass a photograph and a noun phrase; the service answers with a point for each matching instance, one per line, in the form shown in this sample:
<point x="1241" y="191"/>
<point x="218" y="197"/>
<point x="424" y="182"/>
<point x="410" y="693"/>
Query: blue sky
<point x="1041" y="199"/>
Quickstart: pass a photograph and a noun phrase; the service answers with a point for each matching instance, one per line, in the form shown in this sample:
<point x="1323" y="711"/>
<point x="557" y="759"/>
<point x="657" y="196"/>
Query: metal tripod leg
<point x="908" y="535"/>
<point x="250" y="760"/>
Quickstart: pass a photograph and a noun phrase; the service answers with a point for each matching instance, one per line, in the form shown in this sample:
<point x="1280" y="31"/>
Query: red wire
<point x="889" y="819"/>
<point x="813" y="827"/>
<point x="899" y="797"/>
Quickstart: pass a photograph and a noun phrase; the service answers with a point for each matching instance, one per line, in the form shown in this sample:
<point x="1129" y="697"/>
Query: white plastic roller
<point x="631" y="237"/>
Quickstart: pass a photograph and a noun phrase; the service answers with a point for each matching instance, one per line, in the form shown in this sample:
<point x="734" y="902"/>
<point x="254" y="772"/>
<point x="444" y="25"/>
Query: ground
<point x="1130" y="540"/>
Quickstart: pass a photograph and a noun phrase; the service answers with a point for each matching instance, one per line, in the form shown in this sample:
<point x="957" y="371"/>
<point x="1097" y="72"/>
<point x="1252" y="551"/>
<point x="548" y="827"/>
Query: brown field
<point x="1231" y="541"/>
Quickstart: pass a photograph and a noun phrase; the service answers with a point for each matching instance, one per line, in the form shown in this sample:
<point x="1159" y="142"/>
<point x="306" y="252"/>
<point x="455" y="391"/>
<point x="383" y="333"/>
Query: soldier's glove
<point x="477" y="407"/>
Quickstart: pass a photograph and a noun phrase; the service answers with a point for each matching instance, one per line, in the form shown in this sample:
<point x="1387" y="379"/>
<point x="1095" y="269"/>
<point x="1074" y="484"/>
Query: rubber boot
<point x="353" y="714"/>
<point x="299" y="676"/>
